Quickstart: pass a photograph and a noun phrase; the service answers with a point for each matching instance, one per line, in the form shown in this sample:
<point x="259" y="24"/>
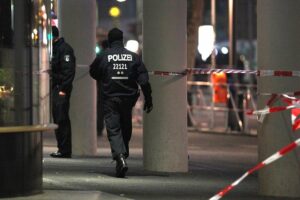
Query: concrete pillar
<point x="77" y="23"/>
<point x="164" y="48"/>
<point x="278" y="48"/>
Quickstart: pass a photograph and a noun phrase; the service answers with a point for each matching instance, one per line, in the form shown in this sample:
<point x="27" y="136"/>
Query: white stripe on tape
<point x="298" y="142"/>
<point x="296" y="73"/>
<point x="272" y="158"/>
<point x="240" y="179"/>
<point x="119" y="78"/>
<point x="216" y="197"/>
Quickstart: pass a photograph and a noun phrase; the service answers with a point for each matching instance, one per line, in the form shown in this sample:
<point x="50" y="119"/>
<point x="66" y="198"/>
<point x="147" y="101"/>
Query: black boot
<point x="60" y="155"/>
<point x="121" y="166"/>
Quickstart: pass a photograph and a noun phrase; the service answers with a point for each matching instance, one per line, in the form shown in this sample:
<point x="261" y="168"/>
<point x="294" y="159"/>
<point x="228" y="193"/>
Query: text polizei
<point x="119" y="57"/>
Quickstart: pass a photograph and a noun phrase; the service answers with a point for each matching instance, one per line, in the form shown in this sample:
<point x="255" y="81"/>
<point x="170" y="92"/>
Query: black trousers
<point x="118" y="116"/>
<point x="60" y="112"/>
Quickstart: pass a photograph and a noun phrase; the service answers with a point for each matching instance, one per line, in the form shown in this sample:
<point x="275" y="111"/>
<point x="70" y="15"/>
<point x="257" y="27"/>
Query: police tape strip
<point x="226" y="71"/>
<point x="292" y="102"/>
<point x="297" y="93"/>
<point x="166" y="73"/>
<point x="207" y="83"/>
<point x="203" y="71"/>
<point x="282" y="152"/>
<point x="47" y="71"/>
<point x="268" y="110"/>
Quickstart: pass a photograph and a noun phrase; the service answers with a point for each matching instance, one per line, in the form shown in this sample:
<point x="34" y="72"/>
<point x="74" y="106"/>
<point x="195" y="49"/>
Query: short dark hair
<point x="115" y="34"/>
<point x="55" y="32"/>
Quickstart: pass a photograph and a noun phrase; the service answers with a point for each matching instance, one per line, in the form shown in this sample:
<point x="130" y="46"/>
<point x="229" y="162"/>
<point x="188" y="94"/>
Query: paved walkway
<point x="215" y="161"/>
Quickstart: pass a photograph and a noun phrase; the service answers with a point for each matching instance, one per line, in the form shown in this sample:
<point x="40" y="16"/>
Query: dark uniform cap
<point x="115" y="34"/>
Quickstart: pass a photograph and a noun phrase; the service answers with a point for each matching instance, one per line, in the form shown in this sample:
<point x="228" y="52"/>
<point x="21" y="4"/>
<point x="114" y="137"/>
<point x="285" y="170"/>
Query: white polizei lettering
<point x="109" y="57"/>
<point x="119" y="57"/>
<point x="115" y="57"/>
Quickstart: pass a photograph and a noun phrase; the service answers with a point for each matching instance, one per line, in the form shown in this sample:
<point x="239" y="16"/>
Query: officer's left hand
<point x="148" y="106"/>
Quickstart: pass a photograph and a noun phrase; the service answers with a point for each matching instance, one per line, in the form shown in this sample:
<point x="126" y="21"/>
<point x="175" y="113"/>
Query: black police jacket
<point x="63" y="66"/>
<point x="119" y="72"/>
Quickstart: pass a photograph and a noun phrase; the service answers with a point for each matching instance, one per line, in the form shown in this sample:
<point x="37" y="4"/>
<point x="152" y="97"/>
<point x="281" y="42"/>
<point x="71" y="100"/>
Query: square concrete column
<point x="77" y="23"/>
<point x="164" y="48"/>
<point x="278" y="49"/>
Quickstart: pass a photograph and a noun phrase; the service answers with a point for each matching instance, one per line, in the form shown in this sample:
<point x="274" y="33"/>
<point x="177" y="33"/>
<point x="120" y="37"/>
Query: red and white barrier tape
<point x="268" y="110"/>
<point x="207" y="83"/>
<point x="226" y="71"/>
<point x="293" y="104"/>
<point x="199" y="71"/>
<point x="282" y="152"/>
<point x="297" y="93"/>
<point x="166" y="73"/>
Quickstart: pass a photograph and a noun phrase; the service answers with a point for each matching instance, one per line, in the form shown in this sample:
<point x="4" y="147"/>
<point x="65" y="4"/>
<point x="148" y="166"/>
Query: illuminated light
<point x="32" y="36"/>
<point x="114" y="11"/>
<point x="43" y="8"/>
<point x="206" y="40"/>
<point x="35" y="31"/>
<point x="216" y="52"/>
<point x="97" y="49"/>
<point x="121" y="0"/>
<point x="49" y="36"/>
<point x="45" y="16"/>
<point x="45" y="41"/>
<point x="132" y="45"/>
<point x="5" y="91"/>
<point x="224" y="50"/>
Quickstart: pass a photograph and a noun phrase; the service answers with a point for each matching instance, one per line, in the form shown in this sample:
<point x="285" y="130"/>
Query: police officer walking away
<point x="62" y="73"/>
<point x="119" y="72"/>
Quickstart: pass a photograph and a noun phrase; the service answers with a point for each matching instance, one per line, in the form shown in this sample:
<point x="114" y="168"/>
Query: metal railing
<point x="230" y="117"/>
<point x="206" y="116"/>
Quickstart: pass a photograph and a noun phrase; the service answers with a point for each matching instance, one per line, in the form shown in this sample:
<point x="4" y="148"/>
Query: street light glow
<point x="206" y="40"/>
<point x="132" y="45"/>
<point x="224" y="50"/>
<point x="114" y="11"/>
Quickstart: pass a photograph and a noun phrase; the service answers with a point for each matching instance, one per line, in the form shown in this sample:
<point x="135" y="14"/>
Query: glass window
<point x="23" y="36"/>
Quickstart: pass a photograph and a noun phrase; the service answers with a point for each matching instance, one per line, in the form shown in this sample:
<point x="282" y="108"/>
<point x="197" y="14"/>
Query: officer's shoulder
<point x="67" y="47"/>
<point x="104" y="53"/>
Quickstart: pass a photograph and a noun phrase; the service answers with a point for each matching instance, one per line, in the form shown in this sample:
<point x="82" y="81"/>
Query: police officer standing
<point x="62" y="73"/>
<point x="119" y="72"/>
